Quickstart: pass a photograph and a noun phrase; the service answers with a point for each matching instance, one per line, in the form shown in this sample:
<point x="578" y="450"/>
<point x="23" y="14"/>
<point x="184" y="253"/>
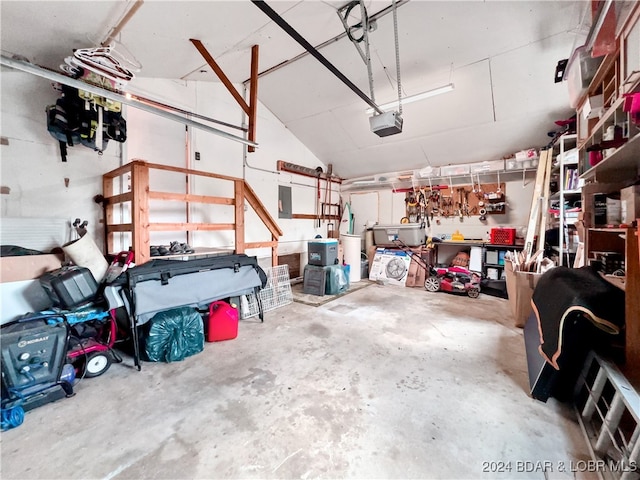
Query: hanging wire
<point x="392" y="81"/>
<point x="395" y="33"/>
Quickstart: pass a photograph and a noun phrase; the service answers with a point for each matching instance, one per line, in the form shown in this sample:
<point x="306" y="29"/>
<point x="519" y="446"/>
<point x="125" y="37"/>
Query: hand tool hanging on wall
<point x="318" y="199"/>
<point x="479" y="193"/>
<point x="412" y="207"/>
<point x="465" y="205"/>
<point x="80" y="228"/>
<point x="423" y="201"/>
<point x="329" y="173"/>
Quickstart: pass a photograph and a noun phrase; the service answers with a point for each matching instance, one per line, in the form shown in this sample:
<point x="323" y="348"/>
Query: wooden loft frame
<point x="140" y="194"/>
<point x="251" y="108"/>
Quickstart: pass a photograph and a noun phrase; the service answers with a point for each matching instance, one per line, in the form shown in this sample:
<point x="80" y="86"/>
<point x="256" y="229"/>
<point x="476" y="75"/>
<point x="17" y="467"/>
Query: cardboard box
<point x="593" y="107"/>
<point x="417" y="274"/>
<point x="520" y="286"/>
<point x="390" y="265"/>
<point x="28" y="267"/>
<point x="630" y="203"/>
<point x="371" y="252"/>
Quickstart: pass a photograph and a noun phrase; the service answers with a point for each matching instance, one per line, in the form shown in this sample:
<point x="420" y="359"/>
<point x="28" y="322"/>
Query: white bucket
<point x="85" y="253"/>
<point x="351" y="245"/>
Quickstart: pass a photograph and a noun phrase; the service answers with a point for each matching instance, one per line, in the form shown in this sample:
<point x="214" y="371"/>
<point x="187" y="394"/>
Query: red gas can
<point x="223" y="322"/>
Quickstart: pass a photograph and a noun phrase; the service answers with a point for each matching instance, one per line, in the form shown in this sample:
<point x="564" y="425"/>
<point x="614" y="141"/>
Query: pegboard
<point x="457" y="201"/>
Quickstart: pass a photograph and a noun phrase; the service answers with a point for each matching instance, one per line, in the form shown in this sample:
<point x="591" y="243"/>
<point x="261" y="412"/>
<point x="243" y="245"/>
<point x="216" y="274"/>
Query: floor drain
<point x="342" y="309"/>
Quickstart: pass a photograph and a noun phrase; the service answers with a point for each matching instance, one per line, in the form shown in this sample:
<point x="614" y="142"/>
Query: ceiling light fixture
<point x="369" y="181"/>
<point x="414" y="98"/>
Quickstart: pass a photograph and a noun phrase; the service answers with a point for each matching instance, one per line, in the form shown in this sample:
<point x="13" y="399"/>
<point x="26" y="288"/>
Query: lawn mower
<point x="454" y="280"/>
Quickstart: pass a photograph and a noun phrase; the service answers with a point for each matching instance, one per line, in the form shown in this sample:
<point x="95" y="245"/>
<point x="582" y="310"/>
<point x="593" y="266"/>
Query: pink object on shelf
<point x="631" y="103"/>
<point x="595" y="157"/>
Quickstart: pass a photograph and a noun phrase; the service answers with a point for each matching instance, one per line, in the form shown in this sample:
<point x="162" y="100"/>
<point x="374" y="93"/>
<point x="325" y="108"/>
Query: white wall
<point x="168" y="143"/>
<point x="32" y="169"/>
<point x="31" y="166"/>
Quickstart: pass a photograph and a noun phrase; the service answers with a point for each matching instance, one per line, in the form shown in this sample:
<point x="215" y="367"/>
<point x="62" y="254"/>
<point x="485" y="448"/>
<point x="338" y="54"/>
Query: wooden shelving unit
<point x="140" y="193"/>
<point x="616" y="76"/>
<point x="625" y="242"/>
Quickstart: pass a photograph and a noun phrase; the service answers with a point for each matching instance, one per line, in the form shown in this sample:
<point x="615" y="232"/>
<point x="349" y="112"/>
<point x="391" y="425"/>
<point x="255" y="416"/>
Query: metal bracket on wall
<point x="137" y="102"/>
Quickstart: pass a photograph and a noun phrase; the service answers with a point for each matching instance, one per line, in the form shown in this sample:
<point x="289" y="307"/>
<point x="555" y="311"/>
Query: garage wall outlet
<point x="197" y="155"/>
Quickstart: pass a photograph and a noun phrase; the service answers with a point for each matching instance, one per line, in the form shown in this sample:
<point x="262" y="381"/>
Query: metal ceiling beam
<point x="267" y="10"/>
<point x="137" y="102"/>
<point x="331" y="41"/>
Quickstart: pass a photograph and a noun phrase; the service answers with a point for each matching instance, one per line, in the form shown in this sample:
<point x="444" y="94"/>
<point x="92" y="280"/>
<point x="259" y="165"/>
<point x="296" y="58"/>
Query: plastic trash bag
<point x="337" y="281"/>
<point x="174" y="335"/>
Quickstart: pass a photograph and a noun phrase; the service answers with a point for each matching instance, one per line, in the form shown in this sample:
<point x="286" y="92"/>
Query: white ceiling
<point x="501" y="56"/>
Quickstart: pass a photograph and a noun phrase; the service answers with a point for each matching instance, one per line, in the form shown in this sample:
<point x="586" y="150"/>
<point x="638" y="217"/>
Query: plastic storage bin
<point x="411" y="234"/>
<point x="314" y="280"/>
<point x="323" y="252"/>
<point x="503" y="236"/>
<point x="451" y="170"/>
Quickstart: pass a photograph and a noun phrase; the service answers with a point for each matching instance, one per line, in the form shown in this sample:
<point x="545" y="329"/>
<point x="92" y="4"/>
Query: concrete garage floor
<point x="385" y="382"/>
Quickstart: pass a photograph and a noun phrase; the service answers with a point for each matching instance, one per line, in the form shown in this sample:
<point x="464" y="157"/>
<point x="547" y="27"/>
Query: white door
<point x="364" y="207"/>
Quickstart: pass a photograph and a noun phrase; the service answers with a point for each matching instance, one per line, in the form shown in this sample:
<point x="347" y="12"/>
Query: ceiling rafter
<point x="251" y="108"/>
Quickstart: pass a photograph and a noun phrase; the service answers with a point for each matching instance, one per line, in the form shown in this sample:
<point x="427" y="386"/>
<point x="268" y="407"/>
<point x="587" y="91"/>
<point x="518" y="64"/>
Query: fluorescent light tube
<point x="364" y="182"/>
<point x="414" y="98"/>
